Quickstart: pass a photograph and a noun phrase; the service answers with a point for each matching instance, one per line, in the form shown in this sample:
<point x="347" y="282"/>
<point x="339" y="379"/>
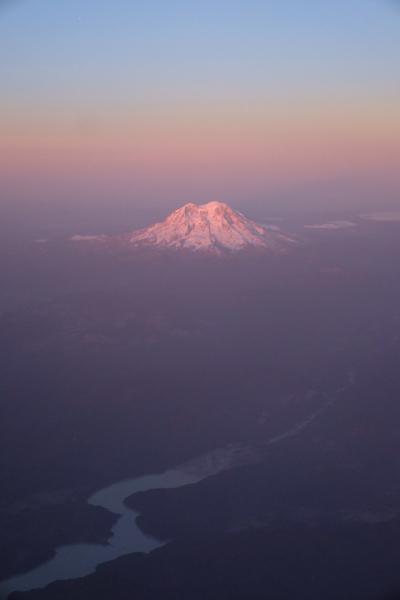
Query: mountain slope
<point x="212" y="227"/>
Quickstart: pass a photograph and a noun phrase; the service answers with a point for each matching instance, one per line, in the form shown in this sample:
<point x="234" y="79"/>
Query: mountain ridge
<point x="212" y="227"/>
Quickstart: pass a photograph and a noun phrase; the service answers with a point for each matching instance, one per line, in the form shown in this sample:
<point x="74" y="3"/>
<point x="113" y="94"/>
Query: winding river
<point x="78" y="560"/>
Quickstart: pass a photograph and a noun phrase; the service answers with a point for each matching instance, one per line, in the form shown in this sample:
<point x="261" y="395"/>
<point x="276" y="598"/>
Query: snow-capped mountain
<point x="214" y="226"/>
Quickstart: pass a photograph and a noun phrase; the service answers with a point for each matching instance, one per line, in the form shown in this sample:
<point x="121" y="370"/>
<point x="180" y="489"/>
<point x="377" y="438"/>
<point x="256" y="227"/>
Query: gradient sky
<point x="149" y="104"/>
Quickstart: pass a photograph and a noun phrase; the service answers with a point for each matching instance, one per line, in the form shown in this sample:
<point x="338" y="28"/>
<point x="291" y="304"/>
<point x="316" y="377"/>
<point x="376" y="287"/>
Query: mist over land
<point x="124" y="361"/>
<point x="199" y="300"/>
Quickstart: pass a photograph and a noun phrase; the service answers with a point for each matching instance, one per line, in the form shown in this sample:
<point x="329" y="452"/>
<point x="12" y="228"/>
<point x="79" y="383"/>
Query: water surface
<point x="78" y="560"/>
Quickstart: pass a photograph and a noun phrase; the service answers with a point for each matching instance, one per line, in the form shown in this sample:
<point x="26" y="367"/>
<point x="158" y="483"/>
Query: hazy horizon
<point x="121" y="112"/>
<point x="207" y="407"/>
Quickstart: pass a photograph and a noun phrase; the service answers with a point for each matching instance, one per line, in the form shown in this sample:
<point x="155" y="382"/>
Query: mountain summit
<point x="214" y="226"/>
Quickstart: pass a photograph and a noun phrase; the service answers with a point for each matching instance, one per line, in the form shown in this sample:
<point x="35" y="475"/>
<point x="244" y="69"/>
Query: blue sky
<point x="193" y="100"/>
<point x="165" y="51"/>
